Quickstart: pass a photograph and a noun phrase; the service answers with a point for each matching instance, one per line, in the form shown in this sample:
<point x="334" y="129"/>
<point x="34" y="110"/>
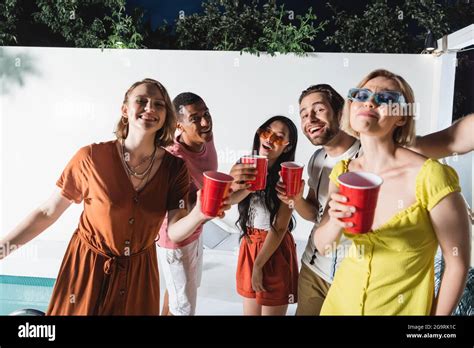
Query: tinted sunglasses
<point x="274" y="138"/>
<point x="383" y="97"/>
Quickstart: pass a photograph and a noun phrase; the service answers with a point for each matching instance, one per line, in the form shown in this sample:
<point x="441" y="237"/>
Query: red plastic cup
<point x="291" y="174"/>
<point x="362" y="190"/>
<point x="261" y="163"/>
<point x="215" y="187"/>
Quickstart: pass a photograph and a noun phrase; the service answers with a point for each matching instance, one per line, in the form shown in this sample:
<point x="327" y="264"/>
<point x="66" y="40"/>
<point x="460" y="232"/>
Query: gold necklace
<point x="142" y="183"/>
<point x="147" y="158"/>
<point x="131" y="171"/>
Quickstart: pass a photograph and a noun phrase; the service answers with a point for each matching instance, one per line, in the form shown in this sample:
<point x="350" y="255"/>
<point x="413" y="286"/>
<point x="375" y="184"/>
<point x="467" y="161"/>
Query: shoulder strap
<point x="358" y="151"/>
<point x="315" y="155"/>
<point x="313" y="159"/>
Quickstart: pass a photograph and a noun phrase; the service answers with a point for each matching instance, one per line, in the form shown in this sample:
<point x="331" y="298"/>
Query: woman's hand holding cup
<point x="224" y="206"/>
<point x="282" y="195"/>
<point x="215" y="196"/>
<point x="243" y="173"/>
<point x="339" y="210"/>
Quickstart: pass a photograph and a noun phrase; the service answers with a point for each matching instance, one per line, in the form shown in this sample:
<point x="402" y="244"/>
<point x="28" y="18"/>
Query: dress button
<point x="122" y="292"/>
<point x="131" y="221"/>
<point x="127" y="242"/>
<point x="135" y="199"/>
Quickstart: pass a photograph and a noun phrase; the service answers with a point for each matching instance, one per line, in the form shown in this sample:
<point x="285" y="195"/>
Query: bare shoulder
<point x="355" y="164"/>
<point x="409" y="159"/>
<point x="410" y="155"/>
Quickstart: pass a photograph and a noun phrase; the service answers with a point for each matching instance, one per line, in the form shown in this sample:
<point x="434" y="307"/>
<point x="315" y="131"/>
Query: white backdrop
<point x="55" y="100"/>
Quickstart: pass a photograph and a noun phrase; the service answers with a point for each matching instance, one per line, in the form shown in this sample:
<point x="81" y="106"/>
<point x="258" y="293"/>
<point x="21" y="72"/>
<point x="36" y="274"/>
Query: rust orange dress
<point x="110" y="266"/>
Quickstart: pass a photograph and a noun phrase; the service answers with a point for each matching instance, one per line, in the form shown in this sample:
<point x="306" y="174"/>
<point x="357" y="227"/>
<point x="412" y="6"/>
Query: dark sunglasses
<point x="383" y="97"/>
<point x="274" y="138"/>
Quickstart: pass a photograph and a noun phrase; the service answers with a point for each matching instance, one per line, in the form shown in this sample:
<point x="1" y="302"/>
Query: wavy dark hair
<point x="269" y="195"/>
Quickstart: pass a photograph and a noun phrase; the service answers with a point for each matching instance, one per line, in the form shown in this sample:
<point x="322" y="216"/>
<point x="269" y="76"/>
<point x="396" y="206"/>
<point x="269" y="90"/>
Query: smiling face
<point x="372" y="119"/>
<point x="195" y="122"/>
<point x="145" y="109"/>
<point x="318" y="121"/>
<point x="273" y="145"/>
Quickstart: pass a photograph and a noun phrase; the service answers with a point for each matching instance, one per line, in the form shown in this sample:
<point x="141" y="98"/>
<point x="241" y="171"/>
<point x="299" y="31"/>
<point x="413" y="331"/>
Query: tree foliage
<point x="249" y="27"/>
<point x="90" y="23"/>
<point x="288" y="38"/>
<point x="460" y="15"/>
<point x="124" y="31"/>
<point x="163" y="37"/>
<point x="8" y="22"/>
<point x="383" y="27"/>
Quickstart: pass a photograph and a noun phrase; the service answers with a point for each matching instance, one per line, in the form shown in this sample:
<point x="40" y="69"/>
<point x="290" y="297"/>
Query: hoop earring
<point x="124" y="123"/>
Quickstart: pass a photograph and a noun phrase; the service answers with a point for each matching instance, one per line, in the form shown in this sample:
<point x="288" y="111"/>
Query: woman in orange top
<point x="267" y="268"/>
<point x="127" y="186"/>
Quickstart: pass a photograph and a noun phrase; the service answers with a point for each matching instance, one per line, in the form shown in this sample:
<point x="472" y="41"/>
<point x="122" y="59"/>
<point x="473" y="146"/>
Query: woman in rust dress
<point x="127" y="186"/>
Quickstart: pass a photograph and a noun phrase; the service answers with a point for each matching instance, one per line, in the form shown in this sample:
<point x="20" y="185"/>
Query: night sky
<point x="160" y="10"/>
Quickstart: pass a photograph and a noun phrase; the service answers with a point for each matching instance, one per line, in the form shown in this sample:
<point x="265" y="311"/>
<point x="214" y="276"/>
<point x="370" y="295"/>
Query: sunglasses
<point x="383" y="97"/>
<point x="274" y="138"/>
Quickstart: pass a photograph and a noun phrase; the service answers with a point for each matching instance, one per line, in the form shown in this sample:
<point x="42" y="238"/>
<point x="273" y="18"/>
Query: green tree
<point x="90" y="23"/>
<point x="287" y="38"/>
<point x="248" y="27"/>
<point x="460" y="14"/>
<point x="222" y="25"/>
<point x="125" y="29"/>
<point x="9" y="10"/>
<point x="426" y="15"/>
<point x="383" y="27"/>
<point x="163" y="37"/>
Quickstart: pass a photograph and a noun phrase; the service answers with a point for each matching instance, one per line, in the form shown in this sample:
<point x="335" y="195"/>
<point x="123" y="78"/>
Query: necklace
<point x="143" y="182"/>
<point x="131" y="170"/>
<point x="145" y="159"/>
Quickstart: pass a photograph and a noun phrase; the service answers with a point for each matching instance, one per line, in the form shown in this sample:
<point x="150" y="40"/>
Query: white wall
<point x="72" y="97"/>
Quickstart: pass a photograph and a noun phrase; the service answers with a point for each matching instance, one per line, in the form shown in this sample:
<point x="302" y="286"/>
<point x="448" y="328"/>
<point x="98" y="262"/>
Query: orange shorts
<point x="280" y="273"/>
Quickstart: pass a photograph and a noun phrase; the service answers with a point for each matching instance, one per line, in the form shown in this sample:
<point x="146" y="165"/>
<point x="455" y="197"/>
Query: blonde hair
<point x="403" y="135"/>
<point x="165" y="135"/>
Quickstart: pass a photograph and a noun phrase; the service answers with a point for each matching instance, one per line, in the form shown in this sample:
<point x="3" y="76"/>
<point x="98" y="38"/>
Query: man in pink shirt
<point x="181" y="263"/>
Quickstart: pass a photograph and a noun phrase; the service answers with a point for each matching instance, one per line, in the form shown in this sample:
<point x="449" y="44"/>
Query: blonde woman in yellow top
<point x="390" y="269"/>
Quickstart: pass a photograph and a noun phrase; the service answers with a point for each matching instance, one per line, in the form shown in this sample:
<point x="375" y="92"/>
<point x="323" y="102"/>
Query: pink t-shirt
<point x="197" y="164"/>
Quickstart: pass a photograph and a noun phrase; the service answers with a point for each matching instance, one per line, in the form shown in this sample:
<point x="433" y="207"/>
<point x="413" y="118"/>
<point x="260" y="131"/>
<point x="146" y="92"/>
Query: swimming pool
<point x="18" y="292"/>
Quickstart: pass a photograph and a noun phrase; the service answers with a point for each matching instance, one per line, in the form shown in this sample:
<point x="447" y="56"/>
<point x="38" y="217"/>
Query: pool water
<point x="24" y="292"/>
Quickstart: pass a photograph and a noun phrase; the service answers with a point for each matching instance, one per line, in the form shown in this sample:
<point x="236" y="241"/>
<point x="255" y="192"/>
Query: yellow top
<point x="390" y="270"/>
